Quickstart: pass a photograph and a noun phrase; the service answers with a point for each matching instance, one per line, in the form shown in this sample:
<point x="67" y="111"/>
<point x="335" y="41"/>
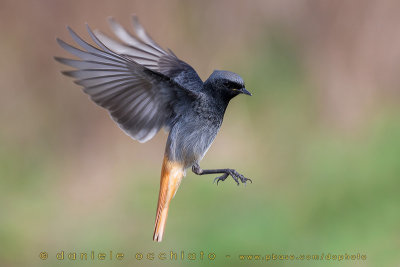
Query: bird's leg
<point x="226" y="172"/>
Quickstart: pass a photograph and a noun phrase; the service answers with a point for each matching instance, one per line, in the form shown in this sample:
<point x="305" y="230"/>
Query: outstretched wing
<point x="143" y="50"/>
<point x="139" y="99"/>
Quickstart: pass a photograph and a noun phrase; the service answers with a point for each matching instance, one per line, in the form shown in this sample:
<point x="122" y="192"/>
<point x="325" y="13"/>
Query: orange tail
<point x="171" y="176"/>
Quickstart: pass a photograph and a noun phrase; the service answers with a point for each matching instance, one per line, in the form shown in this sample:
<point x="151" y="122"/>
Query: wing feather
<point x="139" y="99"/>
<point x="144" y="50"/>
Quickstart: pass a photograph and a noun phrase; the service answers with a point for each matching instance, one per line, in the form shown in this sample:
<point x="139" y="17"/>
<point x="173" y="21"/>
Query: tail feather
<point x="171" y="176"/>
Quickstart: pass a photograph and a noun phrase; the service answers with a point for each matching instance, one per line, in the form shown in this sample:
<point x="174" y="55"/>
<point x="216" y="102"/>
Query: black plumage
<point x="146" y="88"/>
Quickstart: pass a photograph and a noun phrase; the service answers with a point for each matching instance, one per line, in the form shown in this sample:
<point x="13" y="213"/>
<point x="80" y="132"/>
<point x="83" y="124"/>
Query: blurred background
<point x="320" y="137"/>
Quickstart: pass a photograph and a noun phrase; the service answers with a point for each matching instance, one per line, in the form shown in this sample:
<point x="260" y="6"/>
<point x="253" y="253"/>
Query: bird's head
<point x="226" y="83"/>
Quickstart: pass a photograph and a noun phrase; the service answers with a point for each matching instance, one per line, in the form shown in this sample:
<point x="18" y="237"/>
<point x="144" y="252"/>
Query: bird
<point x="146" y="88"/>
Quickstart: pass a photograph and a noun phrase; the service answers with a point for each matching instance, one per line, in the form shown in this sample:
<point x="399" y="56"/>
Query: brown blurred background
<point x="320" y="137"/>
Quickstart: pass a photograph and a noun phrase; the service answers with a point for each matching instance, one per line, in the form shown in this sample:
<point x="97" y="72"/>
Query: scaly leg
<point x="226" y="172"/>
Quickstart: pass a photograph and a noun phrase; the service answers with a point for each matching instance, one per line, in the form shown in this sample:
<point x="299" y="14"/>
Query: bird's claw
<point x="235" y="175"/>
<point x="221" y="178"/>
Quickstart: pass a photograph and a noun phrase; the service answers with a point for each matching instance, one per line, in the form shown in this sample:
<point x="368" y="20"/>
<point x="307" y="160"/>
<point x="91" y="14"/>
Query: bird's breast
<point x="192" y="136"/>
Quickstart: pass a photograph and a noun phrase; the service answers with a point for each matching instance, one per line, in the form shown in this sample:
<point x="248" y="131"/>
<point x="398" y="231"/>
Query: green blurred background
<point x="320" y="137"/>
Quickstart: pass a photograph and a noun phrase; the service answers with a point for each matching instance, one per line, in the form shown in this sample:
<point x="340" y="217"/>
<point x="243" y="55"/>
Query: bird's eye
<point x="226" y="84"/>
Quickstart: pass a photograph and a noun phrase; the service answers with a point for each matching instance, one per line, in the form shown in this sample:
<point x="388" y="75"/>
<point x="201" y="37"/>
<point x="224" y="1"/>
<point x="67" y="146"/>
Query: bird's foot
<point x="235" y="175"/>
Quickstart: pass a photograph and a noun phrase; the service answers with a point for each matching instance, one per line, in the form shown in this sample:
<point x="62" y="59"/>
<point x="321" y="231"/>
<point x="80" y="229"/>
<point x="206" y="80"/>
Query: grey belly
<point x="189" y="141"/>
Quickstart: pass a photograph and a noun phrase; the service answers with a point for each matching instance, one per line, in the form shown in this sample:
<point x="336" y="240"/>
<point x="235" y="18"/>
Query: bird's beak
<point x="244" y="91"/>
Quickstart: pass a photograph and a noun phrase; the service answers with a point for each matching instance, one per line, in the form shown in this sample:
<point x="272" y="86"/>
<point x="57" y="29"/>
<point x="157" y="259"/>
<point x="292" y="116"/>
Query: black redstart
<point x="146" y="88"/>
